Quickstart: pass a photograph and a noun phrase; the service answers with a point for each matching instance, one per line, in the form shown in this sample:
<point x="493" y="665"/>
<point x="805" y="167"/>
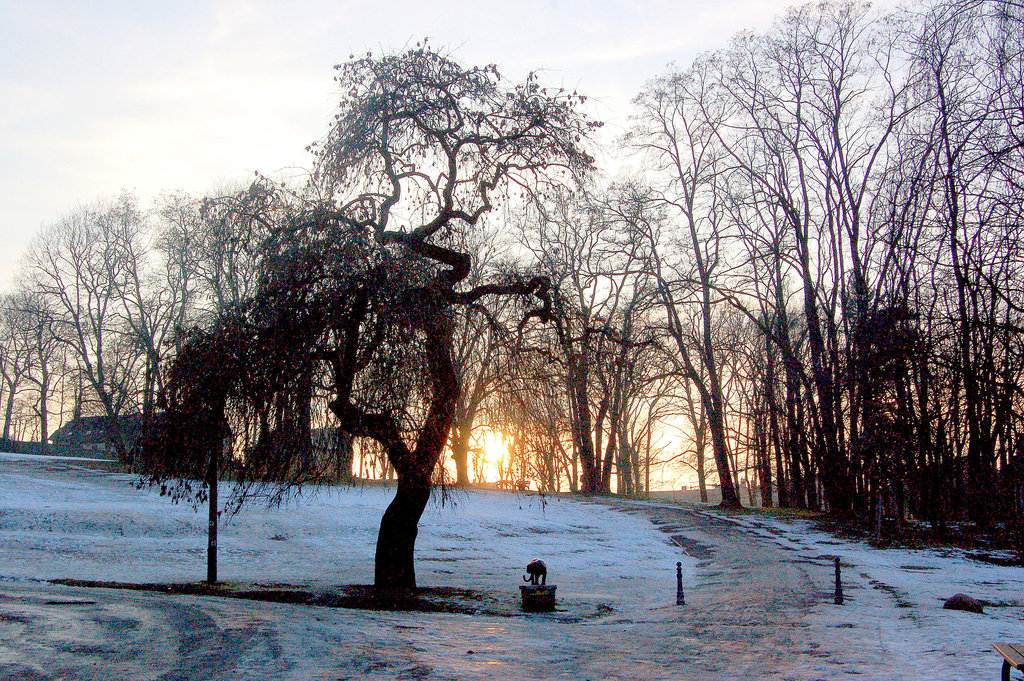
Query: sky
<point x="101" y="97"/>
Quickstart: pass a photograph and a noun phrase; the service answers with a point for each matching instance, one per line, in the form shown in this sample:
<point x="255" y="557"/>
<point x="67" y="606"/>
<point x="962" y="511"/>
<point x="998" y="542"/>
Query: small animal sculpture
<point x="536" y="573"/>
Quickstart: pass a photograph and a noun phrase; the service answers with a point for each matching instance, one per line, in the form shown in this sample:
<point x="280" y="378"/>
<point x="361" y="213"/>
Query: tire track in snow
<point x="49" y="632"/>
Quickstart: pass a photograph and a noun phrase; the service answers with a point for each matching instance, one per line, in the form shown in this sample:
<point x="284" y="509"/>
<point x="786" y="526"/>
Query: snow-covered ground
<point x="59" y="519"/>
<point x="80" y="523"/>
<point x="893" y="602"/>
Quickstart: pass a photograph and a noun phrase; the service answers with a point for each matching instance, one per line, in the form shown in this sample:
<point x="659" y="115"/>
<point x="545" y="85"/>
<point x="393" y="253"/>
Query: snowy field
<point x="615" y="573"/>
<point x="93" y="525"/>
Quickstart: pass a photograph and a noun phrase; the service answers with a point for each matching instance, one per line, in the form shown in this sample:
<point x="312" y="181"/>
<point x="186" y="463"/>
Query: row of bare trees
<point x="103" y="297"/>
<point x="815" y="274"/>
<point x="850" y="183"/>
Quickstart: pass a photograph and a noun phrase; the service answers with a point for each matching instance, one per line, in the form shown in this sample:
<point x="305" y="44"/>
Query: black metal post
<point x="211" y="532"/>
<point x="680" y="596"/>
<point x="839" y="584"/>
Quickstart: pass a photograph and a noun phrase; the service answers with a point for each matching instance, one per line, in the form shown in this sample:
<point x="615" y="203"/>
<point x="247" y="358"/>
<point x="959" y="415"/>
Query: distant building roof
<point x="95" y="431"/>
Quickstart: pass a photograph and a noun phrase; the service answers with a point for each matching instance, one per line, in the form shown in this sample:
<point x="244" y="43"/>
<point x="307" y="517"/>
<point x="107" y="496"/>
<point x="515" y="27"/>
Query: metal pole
<point x="839" y="584"/>
<point x="680" y="597"/>
<point x="211" y="544"/>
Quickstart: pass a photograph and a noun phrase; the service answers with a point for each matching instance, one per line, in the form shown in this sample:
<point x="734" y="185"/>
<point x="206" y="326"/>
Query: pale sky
<point x="100" y="97"/>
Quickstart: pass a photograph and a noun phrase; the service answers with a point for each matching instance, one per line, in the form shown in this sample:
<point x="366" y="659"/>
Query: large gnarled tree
<point x="362" y="275"/>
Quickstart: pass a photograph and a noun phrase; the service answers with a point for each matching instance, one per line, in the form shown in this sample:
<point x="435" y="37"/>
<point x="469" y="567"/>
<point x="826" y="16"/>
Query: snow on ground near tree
<point x="93" y="525"/>
<point x="61" y="521"/>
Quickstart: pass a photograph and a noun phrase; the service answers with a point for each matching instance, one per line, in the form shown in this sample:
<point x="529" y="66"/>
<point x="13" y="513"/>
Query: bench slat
<point x="1012" y="653"/>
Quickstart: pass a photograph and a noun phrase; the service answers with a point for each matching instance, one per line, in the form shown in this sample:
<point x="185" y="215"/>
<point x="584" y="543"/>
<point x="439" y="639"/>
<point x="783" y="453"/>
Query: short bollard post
<point x="839" y="584"/>
<point x="680" y="597"/>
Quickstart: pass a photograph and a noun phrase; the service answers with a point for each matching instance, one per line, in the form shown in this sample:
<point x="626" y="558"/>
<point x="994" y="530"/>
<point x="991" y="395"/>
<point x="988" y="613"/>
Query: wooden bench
<point x="1013" y="656"/>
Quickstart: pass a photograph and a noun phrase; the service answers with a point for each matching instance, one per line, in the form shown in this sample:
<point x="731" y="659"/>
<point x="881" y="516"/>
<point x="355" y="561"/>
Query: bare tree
<point x="37" y="327"/>
<point x="81" y="265"/>
<point x="955" y="198"/>
<point x="679" y="128"/>
<point x="476" y="346"/>
<point x="16" y="352"/>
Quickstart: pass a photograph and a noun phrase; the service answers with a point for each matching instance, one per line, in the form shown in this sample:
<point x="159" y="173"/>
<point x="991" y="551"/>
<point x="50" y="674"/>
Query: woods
<point x="802" y="286"/>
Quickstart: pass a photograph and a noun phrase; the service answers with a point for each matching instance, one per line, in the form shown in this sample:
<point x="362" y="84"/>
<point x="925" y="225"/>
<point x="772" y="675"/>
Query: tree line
<point x="804" y="288"/>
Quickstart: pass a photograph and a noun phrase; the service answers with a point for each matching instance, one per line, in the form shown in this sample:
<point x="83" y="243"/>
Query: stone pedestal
<point x="538" y="598"/>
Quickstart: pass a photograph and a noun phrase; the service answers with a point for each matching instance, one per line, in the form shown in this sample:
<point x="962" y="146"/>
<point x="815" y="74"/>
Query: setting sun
<point x="493" y="452"/>
<point x="494" y="447"/>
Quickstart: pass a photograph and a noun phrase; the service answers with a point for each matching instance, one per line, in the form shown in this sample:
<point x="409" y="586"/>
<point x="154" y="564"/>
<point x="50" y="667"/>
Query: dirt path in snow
<point x="744" y="618"/>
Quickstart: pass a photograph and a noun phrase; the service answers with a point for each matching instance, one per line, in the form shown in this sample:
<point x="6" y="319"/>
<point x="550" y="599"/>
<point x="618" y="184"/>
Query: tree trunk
<point x="9" y="411"/>
<point x="834" y="473"/>
<point x="700" y="445"/>
<point x="720" y="447"/>
<point x="590" y="480"/>
<point x="396" y="542"/>
<point x="44" y="407"/>
<point x="460" y="451"/>
<point x="345" y="454"/>
<point x="609" y="455"/>
<point x="626" y="469"/>
<point x="774" y="441"/>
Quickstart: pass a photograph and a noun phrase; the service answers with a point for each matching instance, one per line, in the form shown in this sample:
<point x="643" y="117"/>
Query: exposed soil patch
<point x="692" y="547"/>
<point x="364" y="597"/>
<point x="356" y="596"/>
<point x="995" y="545"/>
<point x="1004" y="558"/>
